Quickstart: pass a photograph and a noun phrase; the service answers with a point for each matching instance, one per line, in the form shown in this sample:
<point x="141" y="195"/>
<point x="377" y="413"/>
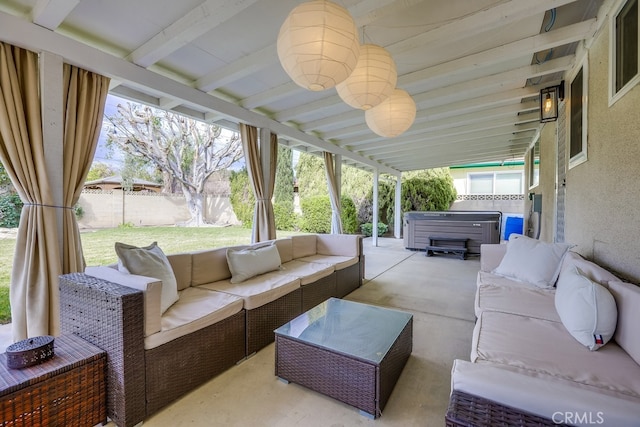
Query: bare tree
<point x="184" y="149"/>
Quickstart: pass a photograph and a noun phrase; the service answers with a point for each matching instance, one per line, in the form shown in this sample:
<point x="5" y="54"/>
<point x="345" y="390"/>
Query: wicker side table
<point x="68" y="390"/>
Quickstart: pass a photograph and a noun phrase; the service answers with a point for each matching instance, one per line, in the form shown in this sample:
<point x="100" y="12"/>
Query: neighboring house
<point x="115" y="183"/>
<point x="491" y="186"/>
<point x="492" y="178"/>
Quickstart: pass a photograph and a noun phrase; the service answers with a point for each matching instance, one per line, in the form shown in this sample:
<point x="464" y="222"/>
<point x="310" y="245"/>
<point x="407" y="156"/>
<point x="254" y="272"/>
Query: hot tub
<point x="477" y="226"/>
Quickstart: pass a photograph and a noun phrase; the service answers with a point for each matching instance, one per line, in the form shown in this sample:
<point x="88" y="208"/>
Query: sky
<point x="101" y="155"/>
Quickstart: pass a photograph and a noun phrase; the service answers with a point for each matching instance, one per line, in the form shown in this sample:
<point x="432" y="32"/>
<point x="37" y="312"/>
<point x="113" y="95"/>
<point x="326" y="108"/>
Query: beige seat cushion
<point x="259" y="290"/>
<point x="307" y="272"/>
<point x="338" y="262"/>
<point x="195" y="309"/>
<point x="522" y="300"/>
<point x="541" y="347"/>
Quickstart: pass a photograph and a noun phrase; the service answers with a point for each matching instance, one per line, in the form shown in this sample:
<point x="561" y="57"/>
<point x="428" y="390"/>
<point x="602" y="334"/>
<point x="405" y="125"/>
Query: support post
<point x="51" y="87"/>
<point x="374" y="228"/>
<point x="397" y="209"/>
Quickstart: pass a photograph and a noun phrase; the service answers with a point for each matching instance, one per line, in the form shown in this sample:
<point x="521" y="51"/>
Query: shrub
<point x="10" y="208"/>
<point x="367" y="229"/>
<point x="242" y="198"/>
<point x="285" y="216"/>
<point x="316" y="215"/>
<point x="79" y="211"/>
<point x="349" y="215"/>
<point x="430" y="190"/>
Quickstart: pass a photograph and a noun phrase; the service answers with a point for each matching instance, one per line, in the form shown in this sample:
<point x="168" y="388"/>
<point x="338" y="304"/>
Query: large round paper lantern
<point x="318" y="45"/>
<point x="373" y="79"/>
<point x="392" y="116"/>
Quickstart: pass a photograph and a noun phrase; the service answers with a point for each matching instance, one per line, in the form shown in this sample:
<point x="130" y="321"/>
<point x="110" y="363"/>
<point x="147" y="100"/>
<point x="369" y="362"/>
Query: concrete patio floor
<point x="438" y="291"/>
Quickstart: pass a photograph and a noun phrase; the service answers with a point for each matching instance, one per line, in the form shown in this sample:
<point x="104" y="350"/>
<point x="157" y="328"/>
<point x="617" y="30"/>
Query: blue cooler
<point x="513" y="225"/>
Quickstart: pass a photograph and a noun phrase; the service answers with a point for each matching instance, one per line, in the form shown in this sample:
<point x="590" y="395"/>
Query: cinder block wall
<point x="112" y="208"/>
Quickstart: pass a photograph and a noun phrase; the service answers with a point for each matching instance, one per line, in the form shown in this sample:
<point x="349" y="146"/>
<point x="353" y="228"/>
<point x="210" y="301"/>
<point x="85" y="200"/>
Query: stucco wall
<point x="603" y="196"/>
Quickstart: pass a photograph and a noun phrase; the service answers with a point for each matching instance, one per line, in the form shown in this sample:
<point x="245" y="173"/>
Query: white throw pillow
<point x="247" y="263"/>
<point x="532" y="261"/>
<point x="586" y="308"/>
<point x="149" y="261"/>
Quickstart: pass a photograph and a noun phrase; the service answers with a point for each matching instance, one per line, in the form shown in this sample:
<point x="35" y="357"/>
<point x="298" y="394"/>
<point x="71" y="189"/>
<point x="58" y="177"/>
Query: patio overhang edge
<point x="33" y="37"/>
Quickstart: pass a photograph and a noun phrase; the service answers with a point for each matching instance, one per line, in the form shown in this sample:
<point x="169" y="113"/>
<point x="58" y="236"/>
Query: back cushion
<point x="587" y="268"/>
<point x="181" y="265"/>
<point x="303" y="245"/>
<point x="627" y="298"/>
<point x="532" y="261"/>
<point x="210" y="266"/>
<point x="285" y="248"/>
<point x="338" y="244"/>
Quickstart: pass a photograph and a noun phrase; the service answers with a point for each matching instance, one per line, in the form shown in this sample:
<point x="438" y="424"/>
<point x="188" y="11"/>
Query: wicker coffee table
<point x="349" y="351"/>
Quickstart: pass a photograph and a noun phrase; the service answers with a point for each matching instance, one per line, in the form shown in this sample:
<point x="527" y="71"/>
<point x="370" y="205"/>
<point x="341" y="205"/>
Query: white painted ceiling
<point x="474" y="68"/>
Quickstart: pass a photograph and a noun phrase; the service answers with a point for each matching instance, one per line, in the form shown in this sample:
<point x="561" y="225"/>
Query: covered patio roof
<point x="474" y="69"/>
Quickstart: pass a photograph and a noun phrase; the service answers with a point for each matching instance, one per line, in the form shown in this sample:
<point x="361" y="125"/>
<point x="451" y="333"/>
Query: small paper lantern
<point x="373" y="79"/>
<point x="393" y="116"/>
<point x="318" y="45"/>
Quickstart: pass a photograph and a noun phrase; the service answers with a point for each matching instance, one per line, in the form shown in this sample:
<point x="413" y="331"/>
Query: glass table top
<point x="355" y="329"/>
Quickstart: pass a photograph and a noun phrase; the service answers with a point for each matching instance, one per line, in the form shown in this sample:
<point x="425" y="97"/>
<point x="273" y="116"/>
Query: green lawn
<point x="98" y="247"/>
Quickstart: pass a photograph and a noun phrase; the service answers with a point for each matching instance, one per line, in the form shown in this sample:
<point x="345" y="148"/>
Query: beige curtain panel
<point x="264" y="227"/>
<point x="334" y="197"/>
<point x="85" y="94"/>
<point x="36" y="261"/>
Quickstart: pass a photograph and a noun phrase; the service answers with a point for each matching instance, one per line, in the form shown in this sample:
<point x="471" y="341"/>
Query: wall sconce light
<point x="549" y="98"/>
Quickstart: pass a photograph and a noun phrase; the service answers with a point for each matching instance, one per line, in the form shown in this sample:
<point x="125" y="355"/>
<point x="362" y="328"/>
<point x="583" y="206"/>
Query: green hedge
<point x="316" y="215"/>
<point x="10" y="208"/>
<point x="285" y="217"/>
<point x="242" y="198"/>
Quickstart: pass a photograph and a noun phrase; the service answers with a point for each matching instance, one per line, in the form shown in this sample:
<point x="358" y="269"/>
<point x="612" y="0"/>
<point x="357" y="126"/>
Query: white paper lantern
<point x="318" y="45"/>
<point x="373" y="79"/>
<point x="393" y="116"/>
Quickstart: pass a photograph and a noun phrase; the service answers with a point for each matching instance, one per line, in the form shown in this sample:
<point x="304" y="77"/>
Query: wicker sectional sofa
<point x="533" y="362"/>
<point x="155" y="357"/>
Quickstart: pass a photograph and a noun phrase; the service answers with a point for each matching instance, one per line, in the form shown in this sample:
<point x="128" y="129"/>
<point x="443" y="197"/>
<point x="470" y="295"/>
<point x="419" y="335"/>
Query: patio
<point x="438" y="291"/>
